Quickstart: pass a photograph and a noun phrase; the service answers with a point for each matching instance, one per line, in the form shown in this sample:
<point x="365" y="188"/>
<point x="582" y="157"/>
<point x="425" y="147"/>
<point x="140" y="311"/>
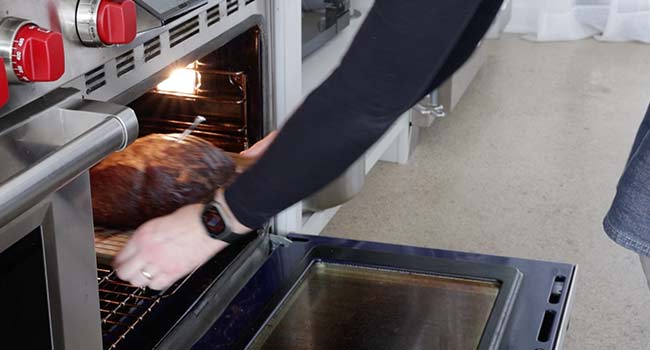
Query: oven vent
<point x="125" y="63"/>
<point x="249" y="1"/>
<point x="151" y="49"/>
<point x="95" y="79"/>
<point x="213" y="15"/>
<point x="232" y="6"/>
<point x="184" y="31"/>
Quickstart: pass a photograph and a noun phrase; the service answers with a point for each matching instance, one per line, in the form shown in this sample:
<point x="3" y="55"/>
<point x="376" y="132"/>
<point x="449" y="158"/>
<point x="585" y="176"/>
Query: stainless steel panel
<point x="71" y="139"/>
<point x="451" y="91"/>
<point x="51" y="133"/>
<point x="414" y="138"/>
<point x="46" y="149"/>
<point x="65" y="218"/>
<point x="341" y="190"/>
<point x="501" y="21"/>
<point x="60" y="15"/>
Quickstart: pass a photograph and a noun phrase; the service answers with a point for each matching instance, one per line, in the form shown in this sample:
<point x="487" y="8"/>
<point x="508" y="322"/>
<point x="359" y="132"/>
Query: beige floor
<point x="527" y="166"/>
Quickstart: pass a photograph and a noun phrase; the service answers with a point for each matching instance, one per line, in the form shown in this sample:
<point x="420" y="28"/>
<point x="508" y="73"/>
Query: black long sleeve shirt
<point x="403" y="50"/>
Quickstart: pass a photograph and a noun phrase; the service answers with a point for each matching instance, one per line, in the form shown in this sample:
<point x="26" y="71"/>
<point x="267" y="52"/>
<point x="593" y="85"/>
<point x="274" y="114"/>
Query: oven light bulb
<point x="182" y="81"/>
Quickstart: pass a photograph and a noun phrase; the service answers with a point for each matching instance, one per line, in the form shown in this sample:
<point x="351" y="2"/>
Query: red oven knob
<point x="106" y="22"/>
<point x="31" y="53"/>
<point x="4" y="86"/>
<point x="38" y="54"/>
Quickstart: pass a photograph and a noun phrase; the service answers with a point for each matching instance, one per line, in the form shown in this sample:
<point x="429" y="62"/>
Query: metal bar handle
<point x="117" y="127"/>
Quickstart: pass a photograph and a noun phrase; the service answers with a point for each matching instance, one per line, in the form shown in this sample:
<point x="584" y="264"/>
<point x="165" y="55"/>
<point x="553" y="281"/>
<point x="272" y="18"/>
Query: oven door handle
<point x="114" y="127"/>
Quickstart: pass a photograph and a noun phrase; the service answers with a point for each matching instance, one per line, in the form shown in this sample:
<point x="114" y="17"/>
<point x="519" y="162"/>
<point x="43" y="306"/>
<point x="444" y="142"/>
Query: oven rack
<point x="221" y="97"/>
<point x="233" y="139"/>
<point x="122" y="306"/>
<point x="108" y="243"/>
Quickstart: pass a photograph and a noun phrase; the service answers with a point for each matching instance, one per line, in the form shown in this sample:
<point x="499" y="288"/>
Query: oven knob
<point x="31" y="53"/>
<point x="106" y="22"/>
<point x="4" y="86"/>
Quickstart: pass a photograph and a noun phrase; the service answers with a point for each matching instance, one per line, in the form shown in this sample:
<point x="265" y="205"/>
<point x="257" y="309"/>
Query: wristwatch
<point x="217" y="225"/>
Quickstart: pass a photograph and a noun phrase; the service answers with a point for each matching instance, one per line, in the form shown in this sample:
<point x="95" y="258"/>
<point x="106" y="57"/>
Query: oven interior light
<point x="182" y="81"/>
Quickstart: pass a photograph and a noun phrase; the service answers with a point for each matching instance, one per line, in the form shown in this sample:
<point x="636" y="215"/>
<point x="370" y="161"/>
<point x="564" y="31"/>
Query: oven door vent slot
<point x="232" y="6"/>
<point x="557" y="290"/>
<point x="213" y="15"/>
<point x="249" y="2"/>
<point x="184" y="31"/>
<point x="151" y="49"/>
<point x="125" y="63"/>
<point x="95" y="79"/>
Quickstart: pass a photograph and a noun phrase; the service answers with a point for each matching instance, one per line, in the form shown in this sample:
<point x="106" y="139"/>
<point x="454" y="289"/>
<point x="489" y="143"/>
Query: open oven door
<point x="329" y="293"/>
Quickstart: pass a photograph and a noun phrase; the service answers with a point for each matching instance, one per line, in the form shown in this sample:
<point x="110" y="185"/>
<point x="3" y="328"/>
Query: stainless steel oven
<point x="85" y="78"/>
<point x="88" y="77"/>
<point x="47" y="261"/>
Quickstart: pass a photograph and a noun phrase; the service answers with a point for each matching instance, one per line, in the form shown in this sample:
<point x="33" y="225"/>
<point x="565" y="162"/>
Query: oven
<point x="85" y="78"/>
<point x="47" y="260"/>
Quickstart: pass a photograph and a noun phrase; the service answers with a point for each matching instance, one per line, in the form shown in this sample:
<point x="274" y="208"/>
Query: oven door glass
<point x="25" y="321"/>
<point x="349" y="298"/>
<point x="337" y="306"/>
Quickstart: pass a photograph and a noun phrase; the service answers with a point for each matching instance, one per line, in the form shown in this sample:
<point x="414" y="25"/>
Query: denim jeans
<point x="628" y="219"/>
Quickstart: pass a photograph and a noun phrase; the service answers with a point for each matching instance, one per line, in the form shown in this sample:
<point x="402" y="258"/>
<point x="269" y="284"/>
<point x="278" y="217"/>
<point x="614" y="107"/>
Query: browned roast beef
<point x="155" y="176"/>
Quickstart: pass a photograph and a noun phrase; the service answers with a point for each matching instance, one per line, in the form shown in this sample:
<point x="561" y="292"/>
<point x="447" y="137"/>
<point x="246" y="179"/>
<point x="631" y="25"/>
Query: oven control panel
<point x="106" y="22"/>
<point x="30" y="53"/>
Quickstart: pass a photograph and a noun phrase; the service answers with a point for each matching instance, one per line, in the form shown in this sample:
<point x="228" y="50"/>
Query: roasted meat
<point x="153" y="177"/>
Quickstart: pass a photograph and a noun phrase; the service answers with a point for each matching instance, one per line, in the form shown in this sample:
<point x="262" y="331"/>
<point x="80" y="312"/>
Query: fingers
<point x="161" y="282"/>
<point x="139" y="281"/>
<point x="260" y="147"/>
<point x="130" y="271"/>
<point x="166" y="249"/>
<point x="140" y="274"/>
<point x="131" y="249"/>
<point x="127" y="253"/>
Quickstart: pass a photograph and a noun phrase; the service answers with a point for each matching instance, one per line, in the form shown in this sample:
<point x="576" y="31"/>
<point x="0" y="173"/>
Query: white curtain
<point x="553" y="20"/>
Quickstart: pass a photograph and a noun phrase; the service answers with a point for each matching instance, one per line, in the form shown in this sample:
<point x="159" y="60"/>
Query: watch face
<point x="213" y="221"/>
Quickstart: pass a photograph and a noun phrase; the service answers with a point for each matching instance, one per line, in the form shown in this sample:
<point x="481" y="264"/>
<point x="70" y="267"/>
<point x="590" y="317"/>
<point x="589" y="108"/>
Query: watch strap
<point x="225" y="234"/>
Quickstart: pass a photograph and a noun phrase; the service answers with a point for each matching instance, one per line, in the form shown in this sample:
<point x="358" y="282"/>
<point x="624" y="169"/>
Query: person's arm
<point x="404" y="50"/>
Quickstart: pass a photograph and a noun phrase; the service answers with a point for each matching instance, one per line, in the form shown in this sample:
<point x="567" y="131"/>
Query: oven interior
<point x="225" y="87"/>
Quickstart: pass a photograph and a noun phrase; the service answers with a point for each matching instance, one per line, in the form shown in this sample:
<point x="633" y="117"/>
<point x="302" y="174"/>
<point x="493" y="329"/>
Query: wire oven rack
<point x="122" y="306"/>
<point x="222" y="99"/>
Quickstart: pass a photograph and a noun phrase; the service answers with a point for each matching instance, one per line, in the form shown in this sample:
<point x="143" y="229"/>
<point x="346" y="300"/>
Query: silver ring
<point x="146" y="274"/>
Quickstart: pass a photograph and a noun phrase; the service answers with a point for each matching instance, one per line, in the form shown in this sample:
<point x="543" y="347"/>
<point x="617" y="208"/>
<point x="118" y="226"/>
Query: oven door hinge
<point x="279" y="241"/>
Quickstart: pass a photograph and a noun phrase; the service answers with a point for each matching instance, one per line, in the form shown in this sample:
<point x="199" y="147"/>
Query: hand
<point x="260" y="147"/>
<point x="166" y="249"/>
